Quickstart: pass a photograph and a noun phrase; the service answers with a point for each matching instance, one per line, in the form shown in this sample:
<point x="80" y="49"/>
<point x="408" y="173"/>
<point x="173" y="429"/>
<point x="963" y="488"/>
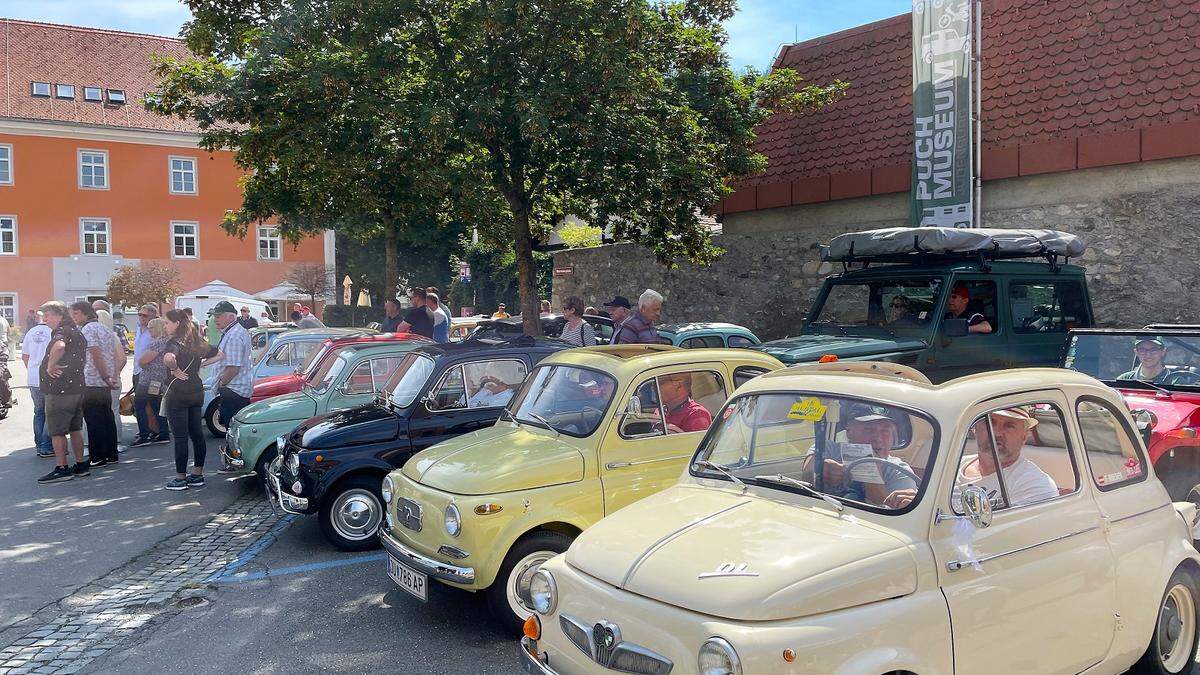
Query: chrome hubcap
<point x="1176" y="628"/>
<point x="356" y="514"/>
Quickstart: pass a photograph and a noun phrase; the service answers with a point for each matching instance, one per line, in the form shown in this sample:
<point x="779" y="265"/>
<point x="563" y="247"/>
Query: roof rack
<point x="943" y="244"/>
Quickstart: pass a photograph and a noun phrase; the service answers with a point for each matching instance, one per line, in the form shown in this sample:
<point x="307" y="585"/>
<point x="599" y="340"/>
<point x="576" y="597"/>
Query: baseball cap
<point x="864" y="412"/>
<point x="619" y="301"/>
<point x="223" y="307"/>
<point x="961" y="290"/>
<point x="1019" y="414"/>
<point x="1149" y="338"/>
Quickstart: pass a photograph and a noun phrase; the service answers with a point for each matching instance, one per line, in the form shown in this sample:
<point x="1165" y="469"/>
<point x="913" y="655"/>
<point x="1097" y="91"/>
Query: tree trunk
<point x="391" y="261"/>
<point x="526" y="272"/>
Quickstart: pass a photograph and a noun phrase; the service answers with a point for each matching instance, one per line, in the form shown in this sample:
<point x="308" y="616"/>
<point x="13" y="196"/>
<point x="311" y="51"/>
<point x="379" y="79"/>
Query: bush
<point x="348" y="316"/>
<point x="580" y="235"/>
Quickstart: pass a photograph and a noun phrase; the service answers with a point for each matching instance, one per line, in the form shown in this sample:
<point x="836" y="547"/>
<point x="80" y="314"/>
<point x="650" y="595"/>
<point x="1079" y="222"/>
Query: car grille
<point x="408" y="513"/>
<point x="602" y="643"/>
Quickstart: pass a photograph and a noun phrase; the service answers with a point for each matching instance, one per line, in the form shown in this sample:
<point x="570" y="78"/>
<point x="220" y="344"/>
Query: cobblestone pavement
<point x="95" y="622"/>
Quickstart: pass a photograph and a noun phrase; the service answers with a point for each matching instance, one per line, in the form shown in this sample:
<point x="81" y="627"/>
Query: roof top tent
<point x="203" y="299"/>
<point x="920" y="244"/>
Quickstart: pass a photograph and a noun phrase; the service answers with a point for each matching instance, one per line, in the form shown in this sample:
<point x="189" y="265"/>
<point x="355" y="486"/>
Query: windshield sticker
<point x="865" y="472"/>
<point x="1110" y="478"/>
<point x="728" y="411"/>
<point x="809" y="410"/>
<point x="1132" y="468"/>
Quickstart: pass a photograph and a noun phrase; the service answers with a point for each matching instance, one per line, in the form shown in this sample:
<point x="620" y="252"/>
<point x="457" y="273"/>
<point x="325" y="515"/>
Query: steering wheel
<point x="1185" y="377"/>
<point x="892" y="466"/>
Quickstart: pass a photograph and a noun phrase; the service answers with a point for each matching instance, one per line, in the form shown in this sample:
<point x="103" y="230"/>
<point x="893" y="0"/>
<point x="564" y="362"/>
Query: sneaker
<point x="45" y="453"/>
<point x="97" y="463"/>
<point x="81" y="469"/>
<point x="177" y="484"/>
<point x="58" y="475"/>
<point x="156" y="439"/>
<point x="195" y="480"/>
<point x="139" y="442"/>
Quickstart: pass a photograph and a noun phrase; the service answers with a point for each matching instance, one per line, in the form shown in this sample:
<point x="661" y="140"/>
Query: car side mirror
<point x="955" y="327"/>
<point x="976" y="506"/>
<point x="1145" y="421"/>
<point x="634" y="408"/>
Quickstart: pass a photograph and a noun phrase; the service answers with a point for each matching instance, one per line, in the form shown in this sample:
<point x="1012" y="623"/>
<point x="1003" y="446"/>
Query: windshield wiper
<point x="543" y="421"/>
<point x="722" y="469"/>
<point x="805" y="488"/>
<point x="1166" y="393"/>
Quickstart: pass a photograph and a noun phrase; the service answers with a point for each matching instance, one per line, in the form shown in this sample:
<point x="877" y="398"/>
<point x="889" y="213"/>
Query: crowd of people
<point x="74" y="356"/>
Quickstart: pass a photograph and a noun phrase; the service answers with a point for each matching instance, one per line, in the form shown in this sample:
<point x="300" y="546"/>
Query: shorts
<point x="64" y="413"/>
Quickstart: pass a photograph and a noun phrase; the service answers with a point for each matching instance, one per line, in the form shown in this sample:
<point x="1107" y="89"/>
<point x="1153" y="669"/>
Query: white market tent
<point x="896" y="244"/>
<point x="216" y="287"/>
<point x="281" y="292"/>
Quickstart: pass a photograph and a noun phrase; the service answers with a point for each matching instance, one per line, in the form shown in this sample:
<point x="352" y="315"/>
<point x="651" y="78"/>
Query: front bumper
<point x="438" y="570"/>
<point x="230" y="460"/>
<point x="277" y="496"/>
<point x="530" y="661"/>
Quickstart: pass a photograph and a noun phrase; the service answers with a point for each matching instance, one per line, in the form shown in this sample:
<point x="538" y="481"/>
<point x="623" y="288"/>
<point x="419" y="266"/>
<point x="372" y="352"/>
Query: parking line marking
<point x="241" y="577"/>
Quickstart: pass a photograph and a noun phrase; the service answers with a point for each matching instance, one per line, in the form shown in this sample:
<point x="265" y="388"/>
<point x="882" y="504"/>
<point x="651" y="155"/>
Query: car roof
<point x="302" y="333"/>
<point x="700" y="325"/>
<point x="355" y="338"/>
<point x="630" y="359"/>
<point x="998" y="268"/>
<point x="517" y="345"/>
<point x="904" y="386"/>
<point x="407" y="345"/>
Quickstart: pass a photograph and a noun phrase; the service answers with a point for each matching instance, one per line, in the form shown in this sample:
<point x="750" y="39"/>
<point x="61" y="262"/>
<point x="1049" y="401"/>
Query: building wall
<point x="48" y="203"/>
<point x="1141" y="223"/>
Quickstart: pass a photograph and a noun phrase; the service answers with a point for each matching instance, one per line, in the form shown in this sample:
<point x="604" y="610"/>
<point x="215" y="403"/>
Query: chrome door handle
<point x="617" y="465"/>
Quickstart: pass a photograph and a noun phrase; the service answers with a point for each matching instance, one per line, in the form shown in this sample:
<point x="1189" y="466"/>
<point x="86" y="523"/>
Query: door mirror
<point x="634" y="408"/>
<point x="976" y="506"/>
<point x="954" y="327"/>
<point x="1145" y="421"/>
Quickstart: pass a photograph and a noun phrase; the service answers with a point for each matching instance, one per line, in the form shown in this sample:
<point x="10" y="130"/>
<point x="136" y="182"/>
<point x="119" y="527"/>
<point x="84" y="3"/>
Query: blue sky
<point x="755" y="34"/>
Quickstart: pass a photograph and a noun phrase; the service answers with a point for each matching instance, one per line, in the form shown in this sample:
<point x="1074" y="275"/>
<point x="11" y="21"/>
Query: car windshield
<point x="409" y="379"/>
<point x="313" y="360"/>
<point x="1131" y="358"/>
<point x="874" y="455"/>
<point x="327" y="373"/>
<point x="895" y="305"/>
<point x="568" y="399"/>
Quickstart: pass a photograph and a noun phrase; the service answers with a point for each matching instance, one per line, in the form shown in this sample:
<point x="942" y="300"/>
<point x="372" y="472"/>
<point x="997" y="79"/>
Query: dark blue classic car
<point x="333" y="465"/>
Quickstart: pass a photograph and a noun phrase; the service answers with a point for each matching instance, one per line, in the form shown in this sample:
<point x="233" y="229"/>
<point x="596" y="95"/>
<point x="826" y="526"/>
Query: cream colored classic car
<point x="908" y="552"/>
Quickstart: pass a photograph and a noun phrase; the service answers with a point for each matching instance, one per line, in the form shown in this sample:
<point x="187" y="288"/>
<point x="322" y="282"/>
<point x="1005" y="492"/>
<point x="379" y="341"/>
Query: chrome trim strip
<point x="425" y="564"/>
<point x="671" y="535"/>
<point x="955" y="565"/>
<point x="621" y="465"/>
<point x="1140" y="513"/>
<point x="530" y="662"/>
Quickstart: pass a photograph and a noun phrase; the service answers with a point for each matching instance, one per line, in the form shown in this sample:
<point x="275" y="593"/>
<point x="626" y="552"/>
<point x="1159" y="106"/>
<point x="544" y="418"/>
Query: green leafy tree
<point x="144" y="283"/>
<point x="580" y="235"/>
<point x="390" y="114"/>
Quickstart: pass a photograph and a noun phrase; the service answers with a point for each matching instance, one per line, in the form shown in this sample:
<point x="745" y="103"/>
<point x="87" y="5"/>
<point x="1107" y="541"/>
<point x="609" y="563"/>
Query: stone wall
<point x="1141" y="223"/>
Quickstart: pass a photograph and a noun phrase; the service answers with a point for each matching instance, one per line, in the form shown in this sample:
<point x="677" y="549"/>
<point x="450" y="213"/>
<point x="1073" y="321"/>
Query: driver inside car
<point x="684" y="414"/>
<point x="1151" y="353"/>
<point x="872" y="427"/>
<point x="492" y="392"/>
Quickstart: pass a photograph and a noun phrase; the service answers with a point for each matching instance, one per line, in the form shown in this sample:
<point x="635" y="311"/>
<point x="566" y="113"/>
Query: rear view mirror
<point x="634" y="408"/>
<point x="954" y="327"/>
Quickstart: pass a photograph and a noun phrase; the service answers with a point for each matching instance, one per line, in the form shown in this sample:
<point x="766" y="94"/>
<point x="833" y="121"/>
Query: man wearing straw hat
<point x="1024" y="481"/>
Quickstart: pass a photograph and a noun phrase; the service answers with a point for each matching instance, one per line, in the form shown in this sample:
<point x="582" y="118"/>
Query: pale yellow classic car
<point x="590" y="431"/>
<point x="906" y="552"/>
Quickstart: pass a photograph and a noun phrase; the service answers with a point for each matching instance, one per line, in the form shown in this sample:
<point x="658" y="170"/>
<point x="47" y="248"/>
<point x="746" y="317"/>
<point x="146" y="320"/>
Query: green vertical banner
<point x="942" y="161"/>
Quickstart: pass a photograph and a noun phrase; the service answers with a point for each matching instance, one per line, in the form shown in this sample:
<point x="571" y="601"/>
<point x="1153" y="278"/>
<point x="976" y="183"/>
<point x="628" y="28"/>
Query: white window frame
<point x="195" y="239"/>
<point x="8" y="159"/>
<point x="260" y="238"/>
<point x="15" y="228"/>
<point x="16" y="305"/>
<point x="108" y="243"/>
<point x="99" y="94"/>
<point x="59" y="87"/>
<point x="33" y="89"/>
<point x="171" y="175"/>
<point x="107" y="171"/>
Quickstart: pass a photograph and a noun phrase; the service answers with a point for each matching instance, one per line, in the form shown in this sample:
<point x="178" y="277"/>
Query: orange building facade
<point x="90" y="181"/>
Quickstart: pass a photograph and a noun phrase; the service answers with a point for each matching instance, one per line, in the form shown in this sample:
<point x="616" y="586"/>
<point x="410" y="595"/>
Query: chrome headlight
<point x="280" y="443"/>
<point x="293" y="463"/>
<point x="453" y="521"/>
<point x="717" y="657"/>
<point x="387" y="489"/>
<point x="543" y="592"/>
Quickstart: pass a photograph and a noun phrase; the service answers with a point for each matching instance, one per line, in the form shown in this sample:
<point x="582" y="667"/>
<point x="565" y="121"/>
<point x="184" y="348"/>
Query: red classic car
<point x="286" y="384"/>
<point x="1157" y="370"/>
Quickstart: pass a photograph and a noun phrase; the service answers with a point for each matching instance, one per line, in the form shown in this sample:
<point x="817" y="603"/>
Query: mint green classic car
<point x="347" y="379"/>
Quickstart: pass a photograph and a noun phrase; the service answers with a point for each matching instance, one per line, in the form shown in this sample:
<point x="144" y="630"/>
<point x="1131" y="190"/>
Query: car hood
<point x="787" y="561"/>
<point x="503" y="458"/>
<point x="276" y="385"/>
<point x="353" y="426"/>
<point x="298" y="406"/>
<point x="802" y="348"/>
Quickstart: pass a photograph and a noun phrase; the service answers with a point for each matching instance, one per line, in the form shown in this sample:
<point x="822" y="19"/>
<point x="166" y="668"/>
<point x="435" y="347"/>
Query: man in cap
<point x="308" y="319"/>
<point x="246" y="320"/>
<point x="501" y="312"/>
<point x="958" y="306"/>
<point x="234" y="378"/>
<point x="1024" y="481"/>
<point x="1151" y="353"/>
<point x="871" y="431"/>
<point x="619" y="310"/>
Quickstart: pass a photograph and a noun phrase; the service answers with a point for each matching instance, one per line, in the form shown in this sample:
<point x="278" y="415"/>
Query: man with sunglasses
<point x="1151" y="353"/>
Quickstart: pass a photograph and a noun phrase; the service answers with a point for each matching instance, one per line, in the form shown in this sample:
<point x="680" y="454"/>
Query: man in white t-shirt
<point x="1024" y="481"/>
<point x="33" y="350"/>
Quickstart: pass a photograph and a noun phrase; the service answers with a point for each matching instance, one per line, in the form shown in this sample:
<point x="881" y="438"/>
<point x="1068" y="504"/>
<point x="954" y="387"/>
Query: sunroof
<point x="116" y="96"/>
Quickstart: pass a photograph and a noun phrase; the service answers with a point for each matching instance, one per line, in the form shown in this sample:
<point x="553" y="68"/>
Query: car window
<point x="492" y="384"/>
<point x="604" y="332"/>
<point x="1112" y="453"/>
<point x="281" y="356"/>
<point x="744" y="374"/>
<point x="687" y="401"/>
<point x="359" y="381"/>
<point x="370" y="376"/>
<point x="1047" y="307"/>
<point x="449" y="392"/>
<point x="1030" y="444"/>
<point x="740" y="341"/>
<point x="703" y="342"/>
<point x="408" y="380"/>
<point x="301" y="351"/>
<point x="981" y="300"/>
<point x="569" y="399"/>
<point x="897" y="304"/>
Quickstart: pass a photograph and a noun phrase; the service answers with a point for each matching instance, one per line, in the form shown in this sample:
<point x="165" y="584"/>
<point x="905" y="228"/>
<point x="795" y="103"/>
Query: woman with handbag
<point x="147" y="394"/>
<point x="183" y="395"/>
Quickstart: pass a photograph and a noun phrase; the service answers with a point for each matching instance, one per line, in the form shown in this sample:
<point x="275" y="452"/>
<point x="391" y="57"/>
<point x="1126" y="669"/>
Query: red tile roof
<point x="43" y="52"/>
<point x="1067" y="84"/>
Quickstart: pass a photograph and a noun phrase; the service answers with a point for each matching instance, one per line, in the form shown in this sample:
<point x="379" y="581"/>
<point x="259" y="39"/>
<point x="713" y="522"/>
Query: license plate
<point x="409" y="579"/>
